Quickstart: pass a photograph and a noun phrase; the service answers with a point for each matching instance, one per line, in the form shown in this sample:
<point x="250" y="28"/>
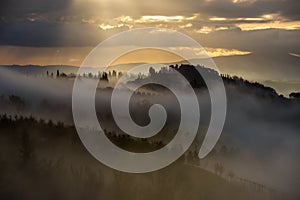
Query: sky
<point x="255" y="39"/>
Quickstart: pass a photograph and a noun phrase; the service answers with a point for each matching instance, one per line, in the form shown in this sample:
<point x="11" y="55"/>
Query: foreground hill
<point x="42" y="160"/>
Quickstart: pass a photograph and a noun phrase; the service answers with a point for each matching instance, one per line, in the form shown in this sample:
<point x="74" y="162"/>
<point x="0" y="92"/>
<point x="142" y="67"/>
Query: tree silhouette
<point x="230" y="175"/>
<point x="104" y="76"/>
<point x="17" y="101"/>
<point x="295" y="95"/>
<point x="26" y="149"/>
<point x="151" y="71"/>
<point x="219" y="169"/>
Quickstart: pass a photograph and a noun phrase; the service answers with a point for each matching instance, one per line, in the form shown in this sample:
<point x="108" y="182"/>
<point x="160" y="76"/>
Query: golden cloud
<point x="275" y="25"/>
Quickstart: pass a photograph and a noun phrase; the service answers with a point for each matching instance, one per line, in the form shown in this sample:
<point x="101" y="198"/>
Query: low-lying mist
<point x="261" y="133"/>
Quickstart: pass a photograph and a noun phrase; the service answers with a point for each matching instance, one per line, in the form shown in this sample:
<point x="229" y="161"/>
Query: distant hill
<point x="191" y="75"/>
<point x="68" y="69"/>
<point x="38" y="70"/>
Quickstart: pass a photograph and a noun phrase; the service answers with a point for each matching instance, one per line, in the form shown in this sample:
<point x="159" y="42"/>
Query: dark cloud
<point x="15" y="8"/>
<point x="225" y="8"/>
<point x="260" y="41"/>
<point x="50" y="34"/>
<point x="221" y="8"/>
